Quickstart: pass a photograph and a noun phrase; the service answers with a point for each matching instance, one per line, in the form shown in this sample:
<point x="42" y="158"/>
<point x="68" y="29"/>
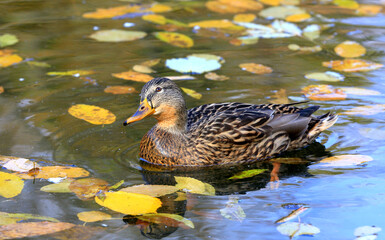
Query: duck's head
<point x="163" y="99"/>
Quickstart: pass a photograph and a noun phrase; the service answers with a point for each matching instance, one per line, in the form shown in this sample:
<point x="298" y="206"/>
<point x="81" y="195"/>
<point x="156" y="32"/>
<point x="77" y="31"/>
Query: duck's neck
<point x="172" y="119"/>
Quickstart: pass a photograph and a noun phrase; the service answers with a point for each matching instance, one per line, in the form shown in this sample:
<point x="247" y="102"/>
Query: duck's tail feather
<point x="324" y="122"/>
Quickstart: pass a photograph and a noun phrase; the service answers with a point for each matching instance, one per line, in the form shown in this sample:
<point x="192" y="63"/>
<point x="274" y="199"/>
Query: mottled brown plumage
<point x="220" y="133"/>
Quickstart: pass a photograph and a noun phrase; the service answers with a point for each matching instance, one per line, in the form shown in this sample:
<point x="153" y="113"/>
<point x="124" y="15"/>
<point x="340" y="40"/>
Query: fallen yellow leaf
<point x="93" y="216"/>
<point x="150" y="63"/>
<point x="119" y="89"/>
<point x="245" y="17"/>
<point x="151" y="190"/>
<point x="255" y="68"/>
<point x="75" y="73"/>
<point x="1" y="89"/>
<point x="31" y="229"/>
<point x="350" y="49"/>
<point x="224" y="23"/>
<point x="352" y="65"/>
<point x="192" y="93"/>
<point x="56" y="172"/>
<point x="220" y="7"/>
<point x="101" y="13"/>
<point x="193" y="185"/>
<point x="61" y="187"/>
<point x="159" y="8"/>
<point x="134" y="76"/>
<point x="129" y="203"/>
<point x="7" y="58"/>
<point x="323" y="92"/>
<point x="175" y="39"/>
<point x="298" y="17"/>
<point x="86" y="188"/>
<point x="10" y="186"/>
<point x="368" y="9"/>
<point x="92" y="114"/>
<point x="155" y="18"/>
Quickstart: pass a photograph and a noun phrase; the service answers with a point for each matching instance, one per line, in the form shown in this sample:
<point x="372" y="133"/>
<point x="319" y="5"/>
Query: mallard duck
<point x="220" y="133"/>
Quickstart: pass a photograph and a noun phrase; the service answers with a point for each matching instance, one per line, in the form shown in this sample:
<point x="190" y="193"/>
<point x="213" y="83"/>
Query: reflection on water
<point x="34" y="122"/>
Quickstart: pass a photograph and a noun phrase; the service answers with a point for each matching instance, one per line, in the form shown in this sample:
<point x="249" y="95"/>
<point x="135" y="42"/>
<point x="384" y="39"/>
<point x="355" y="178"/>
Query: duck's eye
<point x="158" y="89"/>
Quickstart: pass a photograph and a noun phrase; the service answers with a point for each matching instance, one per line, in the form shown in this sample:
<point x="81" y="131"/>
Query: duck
<point x="220" y="133"/>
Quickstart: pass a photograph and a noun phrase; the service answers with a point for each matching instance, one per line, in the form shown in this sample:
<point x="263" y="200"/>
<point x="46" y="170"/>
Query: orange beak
<point x="143" y="111"/>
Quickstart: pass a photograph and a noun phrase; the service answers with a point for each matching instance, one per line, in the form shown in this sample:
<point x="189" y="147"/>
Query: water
<point x="35" y="124"/>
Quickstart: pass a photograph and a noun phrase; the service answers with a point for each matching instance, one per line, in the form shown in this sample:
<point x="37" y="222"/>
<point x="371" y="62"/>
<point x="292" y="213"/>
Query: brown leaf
<point x="323" y="92"/>
<point x="134" y="76"/>
<point x="215" y="77"/>
<point x="31" y="229"/>
<point x="119" y="89"/>
<point x="87" y="188"/>
<point x="151" y="190"/>
<point x="56" y="172"/>
<point x="255" y="68"/>
<point x="352" y="65"/>
<point x="1" y="89"/>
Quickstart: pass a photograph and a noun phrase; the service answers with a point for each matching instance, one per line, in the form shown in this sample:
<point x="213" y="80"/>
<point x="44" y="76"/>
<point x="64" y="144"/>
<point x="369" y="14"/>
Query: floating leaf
<point x="295" y="213"/>
<point x="281" y="12"/>
<point x="92" y="114"/>
<point x="150" y="63"/>
<point x="298" y="17"/>
<point x="352" y="65"/>
<point x="295" y="47"/>
<point x="151" y="190"/>
<point x="38" y="64"/>
<point x="323" y="92"/>
<point x="245" y="17"/>
<point x="8" y="40"/>
<point x="10" y="218"/>
<point x="255" y="68"/>
<point x="191" y="93"/>
<point x="61" y="187"/>
<point x="31" y="229"/>
<point x="280" y="97"/>
<point x="129" y="203"/>
<point x="87" y="188"/>
<point x="228" y="6"/>
<point x="7" y="58"/>
<point x="101" y="13"/>
<point x="351" y="4"/>
<point x="372" y="133"/>
<point x="175" y="39"/>
<point x="116" y="35"/>
<point x="233" y="210"/>
<point x="292" y="229"/>
<point x="224" y="23"/>
<point x="17" y="164"/>
<point x="75" y="73"/>
<point x="119" y="89"/>
<point x="346" y="160"/>
<point x="117" y="185"/>
<point x="325" y="76"/>
<point x="56" y="172"/>
<point x="366" y="231"/>
<point x="193" y="185"/>
<point x="1" y="89"/>
<point x="245" y="40"/>
<point x="215" y="77"/>
<point x="171" y="220"/>
<point x="312" y="31"/>
<point x="155" y="18"/>
<point x="366" y="110"/>
<point x="10" y="186"/>
<point x="368" y="9"/>
<point x="350" y="49"/>
<point x="248" y="173"/>
<point x="271" y="2"/>
<point x="93" y="216"/>
<point x="360" y="91"/>
<point x="143" y="69"/>
<point x="192" y="64"/>
<point x="159" y="8"/>
<point x="134" y="76"/>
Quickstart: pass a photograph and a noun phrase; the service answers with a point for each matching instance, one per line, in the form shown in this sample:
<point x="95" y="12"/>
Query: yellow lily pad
<point x="350" y="49"/>
<point x="10" y="185"/>
<point x="175" y="39"/>
<point x="192" y="93"/>
<point x="193" y="185"/>
<point x="93" y="216"/>
<point x="56" y="172"/>
<point x="92" y="114"/>
<point x="129" y="203"/>
<point x="134" y="76"/>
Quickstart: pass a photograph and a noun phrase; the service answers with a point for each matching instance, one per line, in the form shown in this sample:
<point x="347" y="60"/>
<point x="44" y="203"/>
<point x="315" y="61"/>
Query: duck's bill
<point x="143" y="111"/>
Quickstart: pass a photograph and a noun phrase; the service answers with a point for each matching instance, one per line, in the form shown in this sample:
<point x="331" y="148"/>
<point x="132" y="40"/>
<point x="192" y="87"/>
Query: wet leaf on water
<point x="8" y="58"/>
<point x="323" y="92"/>
<point x="119" y="89"/>
<point x="133" y="76"/>
<point x="56" y="172"/>
<point x="248" y="173"/>
<point x="101" y="13"/>
<point x="128" y="203"/>
<point x="215" y="77"/>
<point x="93" y="216"/>
<point x="116" y="35"/>
<point x="346" y="160"/>
<point x="143" y="69"/>
<point x="171" y="220"/>
<point x="10" y="218"/>
<point x="8" y="40"/>
<point x="366" y="110"/>
<point x="366" y="231"/>
<point x="17" y="164"/>
<point x="38" y="64"/>
<point x="312" y="31"/>
<point x="151" y="190"/>
<point x="368" y="9"/>
<point x="233" y="211"/>
<point x="92" y="114"/>
<point x="244" y="17"/>
<point x="150" y="63"/>
<point x="31" y="229"/>
<point x="255" y="68"/>
<point x="75" y="73"/>
<point x="192" y="64"/>
<point x="223" y="23"/>
<point x="296" y="47"/>
<point x="281" y="12"/>
<point x="228" y="6"/>
<point x="280" y="97"/>
<point x="159" y="8"/>
<point x="292" y="229"/>
<point x="298" y="17"/>
<point x="325" y="76"/>
<point x="117" y="185"/>
<point x="360" y="91"/>
<point x="61" y="187"/>
<point x="372" y="133"/>
<point x="295" y="213"/>
<point x="350" y="49"/>
<point x="155" y="18"/>
<point x="244" y="40"/>
<point x="351" y="4"/>
<point x="271" y="2"/>
<point x="80" y="233"/>
<point x="87" y="188"/>
<point x="193" y="185"/>
<point x="11" y="185"/>
<point x="175" y="39"/>
<point x="352" y="65"/>
<point x="191" y="93"/>
<point x="1" y="89"/>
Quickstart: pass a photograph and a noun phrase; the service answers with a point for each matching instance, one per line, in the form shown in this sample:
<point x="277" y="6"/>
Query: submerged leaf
<point x="134" y="76"/>
<point x="191" y="93"/>
<point x="101" y="13"/>
<point x="119" y="89"/>
<point x="280" y="97"/>
<point x="350" y="49"/>
<point x="248" y="173"/>
<point x="292" y="229"/>
<point x="9" y="218"/>
<point x="150" y="63"/>
<point x="8" y="40"/>
<point x="352" y="65"/>
<point x="245" y="17"/>
<point x="31" y="229"/>
<point x="171" y="220"/>
<point x="193" y="185"/>
<point x="10" y="186"/>
<point x="92" y="114"/>
<point x="175" y="39"/>
<point x="129" y="203"/>
<point x="87" y="188"/>
<point x="61" y="187"/>
<point x="151" y="190"/>
<point x="116" y="35"/>
<point x="56" y="172"/>
<point x="255" y="68"/>
<point x="346" y="160"/>
<point x="17" y="164"/>
<point x="1" y="89"/>
<point x="93" y="216"/>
